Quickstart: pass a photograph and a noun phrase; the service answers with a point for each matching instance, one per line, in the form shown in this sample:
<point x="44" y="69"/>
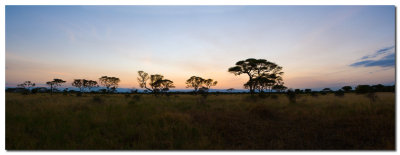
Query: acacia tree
<point x="262" y="73"/>
<point x="347" y="88"/>
<point x="157" y="82"/>
<point x="54" y="84"/>
<point x="26" y="85"/>
<point x="89" y="84"/>
<point x="79" y="83"/>
<point x="142" y="80"/>
<point x="111" y="83"/>
<point x="194" y="82"/>
<point x="209" y="83"/>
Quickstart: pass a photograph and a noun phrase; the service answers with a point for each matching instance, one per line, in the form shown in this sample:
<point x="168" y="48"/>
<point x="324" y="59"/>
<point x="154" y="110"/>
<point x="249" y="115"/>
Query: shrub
<point x="291" y="96"/>
<point x="339" y="93"/>
<point x="363" y="89"/>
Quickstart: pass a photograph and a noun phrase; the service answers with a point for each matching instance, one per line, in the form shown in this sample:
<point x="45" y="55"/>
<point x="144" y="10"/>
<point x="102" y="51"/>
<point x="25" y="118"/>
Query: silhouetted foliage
<point x="142" y="80"/>
<point x="363" y="89"/>
<point x="54" y="84"/>
<point x="26" y="85"/>
<point x="199" y="83"/>
<point x="89" y="84"/>
<point x="298" y="91"/>
<point x="307" y="90"/>
<point x="111" y="83"/>
<point x="261" y="73"/>
<point x="339" y="93"/>
<point x="78" y="83"/>
<point x="194" y="82"/>
<point x="347" y="88"/>
<point x="326" y="90"/>
<point x="291" y="96"/>
<point x="157" y="82"/>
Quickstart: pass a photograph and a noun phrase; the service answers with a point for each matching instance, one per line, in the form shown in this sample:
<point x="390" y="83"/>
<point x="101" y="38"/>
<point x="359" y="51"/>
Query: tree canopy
<point x="263" y="75"/>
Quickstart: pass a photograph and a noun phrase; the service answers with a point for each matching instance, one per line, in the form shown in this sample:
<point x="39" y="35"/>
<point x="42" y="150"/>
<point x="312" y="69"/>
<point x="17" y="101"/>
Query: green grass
<point x="186" y="122"/>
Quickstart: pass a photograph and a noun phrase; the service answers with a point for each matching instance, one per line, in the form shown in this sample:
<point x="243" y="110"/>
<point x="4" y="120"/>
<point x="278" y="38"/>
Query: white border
<point x="174" y="2"/>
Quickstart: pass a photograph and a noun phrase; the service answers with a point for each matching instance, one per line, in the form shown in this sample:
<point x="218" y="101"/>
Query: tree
<point x="194" y="82"/>
<point x="378" y="88"/>
<point x="363" y="89"/>
<point x="307" y="90"/>
<point x="157" y="82"/>
<point x="279" y="88"/>
<point x="258" y="71"/>
<point x="209" y="83"/>
<point x="79" y="83"/>
<point x="326" y="90"/>
<point x="54" y="84"/>
<point x="111" y="83"/>
<point x="230" y="90"/>
<point x="26" y="85"/>
<point x="166" y="85"/>
<point x="142" y="79"/>
<point x="89" y="84"/>
<point x="347" y="88"/>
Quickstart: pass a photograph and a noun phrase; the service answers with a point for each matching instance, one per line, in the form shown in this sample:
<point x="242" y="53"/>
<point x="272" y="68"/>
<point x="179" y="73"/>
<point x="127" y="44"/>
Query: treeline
<point x="264" y="77"/>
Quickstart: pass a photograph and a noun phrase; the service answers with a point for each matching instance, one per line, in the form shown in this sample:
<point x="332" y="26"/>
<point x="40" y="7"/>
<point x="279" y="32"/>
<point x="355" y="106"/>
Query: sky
<point x="317" y="46"/>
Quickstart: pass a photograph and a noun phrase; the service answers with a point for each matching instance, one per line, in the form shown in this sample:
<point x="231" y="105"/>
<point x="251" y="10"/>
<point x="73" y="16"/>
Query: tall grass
<point x="229" y="121"/>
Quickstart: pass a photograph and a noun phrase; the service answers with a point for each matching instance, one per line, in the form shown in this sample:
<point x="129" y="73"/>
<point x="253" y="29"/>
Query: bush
<point x="361" y="89"/>
<point x="291" y="96"/>
<point x="339" y="93"/>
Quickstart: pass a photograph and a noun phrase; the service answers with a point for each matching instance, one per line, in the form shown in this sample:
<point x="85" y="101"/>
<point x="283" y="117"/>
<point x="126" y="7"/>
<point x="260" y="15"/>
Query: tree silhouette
<point x="142" y="79"/>
<point x="111" y="83"/>
<point x="194" y="82"/>
<point x="89" y="84"/>
<point x="79" y="83"/>
<point x="26" y="85"/>
<point x="347" y="88"/>
<point x="261" y="73"/>
<point x="209" y="83"/>
<point x="326" y="90"/>
<point x="157" y="82"/>
<point x="54" y="84"/>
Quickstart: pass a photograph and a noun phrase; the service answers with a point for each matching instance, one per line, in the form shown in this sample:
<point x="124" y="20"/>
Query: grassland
<point x="189" y="122"/>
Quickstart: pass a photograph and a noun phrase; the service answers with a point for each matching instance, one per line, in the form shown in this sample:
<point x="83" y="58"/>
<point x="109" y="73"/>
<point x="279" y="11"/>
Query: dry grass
<point x="224" y="122"/>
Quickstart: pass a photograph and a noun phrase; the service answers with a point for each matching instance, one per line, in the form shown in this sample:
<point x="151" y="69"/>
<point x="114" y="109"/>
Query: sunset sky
<point x="317" y="46"/>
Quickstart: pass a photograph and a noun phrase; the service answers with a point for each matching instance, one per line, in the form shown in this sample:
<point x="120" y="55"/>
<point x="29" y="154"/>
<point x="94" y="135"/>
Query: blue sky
<point x="317" y="46"/>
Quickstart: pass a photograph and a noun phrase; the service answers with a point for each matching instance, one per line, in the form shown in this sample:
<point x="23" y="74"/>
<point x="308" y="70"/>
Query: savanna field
<point x="192" y="122"/>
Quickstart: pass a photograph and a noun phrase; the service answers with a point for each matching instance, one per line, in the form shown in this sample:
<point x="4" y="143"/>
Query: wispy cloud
<point x="377" y="53"/>
<point x="387" y="58"/>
